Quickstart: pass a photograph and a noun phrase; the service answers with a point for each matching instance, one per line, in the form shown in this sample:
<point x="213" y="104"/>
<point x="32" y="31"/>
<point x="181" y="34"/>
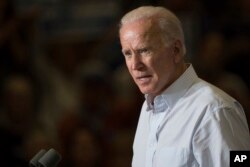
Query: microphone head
<point x="50" y="159"/>
<point x="34" y="161"/>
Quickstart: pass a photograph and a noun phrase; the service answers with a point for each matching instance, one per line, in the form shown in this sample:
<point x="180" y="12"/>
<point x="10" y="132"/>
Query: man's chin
<point x="146" y="91"/>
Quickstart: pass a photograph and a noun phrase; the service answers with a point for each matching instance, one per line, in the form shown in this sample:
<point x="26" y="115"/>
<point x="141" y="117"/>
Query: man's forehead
<point x="140" y="28"/>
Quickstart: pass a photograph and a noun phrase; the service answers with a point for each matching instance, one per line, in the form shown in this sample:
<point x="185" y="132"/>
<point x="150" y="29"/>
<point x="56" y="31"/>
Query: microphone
<point x="45" y="159"/>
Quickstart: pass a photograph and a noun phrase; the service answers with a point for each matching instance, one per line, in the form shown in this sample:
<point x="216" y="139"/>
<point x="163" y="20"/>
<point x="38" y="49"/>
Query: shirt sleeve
<point x="224" y="129"/>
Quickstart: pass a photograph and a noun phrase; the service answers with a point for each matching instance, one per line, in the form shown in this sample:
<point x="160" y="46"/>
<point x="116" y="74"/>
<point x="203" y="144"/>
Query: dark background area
<point x="64" y="84"/>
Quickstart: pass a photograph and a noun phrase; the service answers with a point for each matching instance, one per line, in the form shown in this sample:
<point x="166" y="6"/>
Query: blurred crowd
<point x="74" y="93"/>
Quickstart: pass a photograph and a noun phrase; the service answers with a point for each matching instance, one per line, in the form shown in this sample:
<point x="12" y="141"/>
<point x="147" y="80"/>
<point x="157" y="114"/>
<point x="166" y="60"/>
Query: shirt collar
<point x="175" y="91"/>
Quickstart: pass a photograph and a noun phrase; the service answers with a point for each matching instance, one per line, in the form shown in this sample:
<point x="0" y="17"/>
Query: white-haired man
<point x="184" y="120"/>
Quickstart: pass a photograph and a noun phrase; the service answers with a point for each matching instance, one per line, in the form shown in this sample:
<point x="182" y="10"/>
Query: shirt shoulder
<point x="222" y="117"/>
<point x="207" y="95"/>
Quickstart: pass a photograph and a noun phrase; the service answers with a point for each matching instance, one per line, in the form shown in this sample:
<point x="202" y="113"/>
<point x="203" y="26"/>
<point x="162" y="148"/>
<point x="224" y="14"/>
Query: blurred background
<point x="64" y="84"/>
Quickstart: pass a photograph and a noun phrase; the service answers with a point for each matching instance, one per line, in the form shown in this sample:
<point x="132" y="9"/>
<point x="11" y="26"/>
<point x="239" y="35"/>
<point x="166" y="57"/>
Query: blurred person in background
<point x="236" y="29"/>
<point x="16" y="36"/>
<point x="19" y="106"/>
<point x="119" y="152"/>
<point x="58" y="72"/>
<point x="184" y="120"/>
<point x="84" y="149"/>
<point x="126" y="100"/>
<point x="96" y="97"/>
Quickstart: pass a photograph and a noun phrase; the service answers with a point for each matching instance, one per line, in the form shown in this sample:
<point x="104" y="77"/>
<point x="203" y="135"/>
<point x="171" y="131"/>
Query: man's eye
<point x="127" y="53"/>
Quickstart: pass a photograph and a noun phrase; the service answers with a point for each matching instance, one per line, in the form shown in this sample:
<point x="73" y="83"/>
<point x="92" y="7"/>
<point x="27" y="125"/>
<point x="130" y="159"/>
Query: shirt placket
<point x="156" y="118"/>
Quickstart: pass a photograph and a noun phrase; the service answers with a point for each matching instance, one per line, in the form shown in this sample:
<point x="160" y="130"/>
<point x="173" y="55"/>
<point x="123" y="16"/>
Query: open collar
<point x="174" y="92"/>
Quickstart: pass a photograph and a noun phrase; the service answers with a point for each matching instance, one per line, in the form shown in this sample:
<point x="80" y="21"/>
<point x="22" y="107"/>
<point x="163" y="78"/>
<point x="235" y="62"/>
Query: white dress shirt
<point x="192" y="123"/>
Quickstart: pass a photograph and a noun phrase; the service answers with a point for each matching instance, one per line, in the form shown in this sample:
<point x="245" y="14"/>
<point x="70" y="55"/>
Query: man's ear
<point x="178" y="53"/>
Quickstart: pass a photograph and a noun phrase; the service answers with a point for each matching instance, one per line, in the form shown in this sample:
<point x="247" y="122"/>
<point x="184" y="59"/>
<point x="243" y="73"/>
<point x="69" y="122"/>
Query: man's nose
<point x="137" y="64"/>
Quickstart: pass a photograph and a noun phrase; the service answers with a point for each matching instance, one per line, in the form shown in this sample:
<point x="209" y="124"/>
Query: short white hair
<point x="167" y="21"/>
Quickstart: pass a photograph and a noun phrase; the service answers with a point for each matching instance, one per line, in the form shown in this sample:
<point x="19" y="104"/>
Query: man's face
<point x="150" y="62"/>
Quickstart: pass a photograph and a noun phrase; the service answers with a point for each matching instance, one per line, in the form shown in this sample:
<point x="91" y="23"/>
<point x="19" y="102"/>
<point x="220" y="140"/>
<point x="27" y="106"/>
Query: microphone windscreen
<point x="34" y="161"/>
<point x="50" y="159"/>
